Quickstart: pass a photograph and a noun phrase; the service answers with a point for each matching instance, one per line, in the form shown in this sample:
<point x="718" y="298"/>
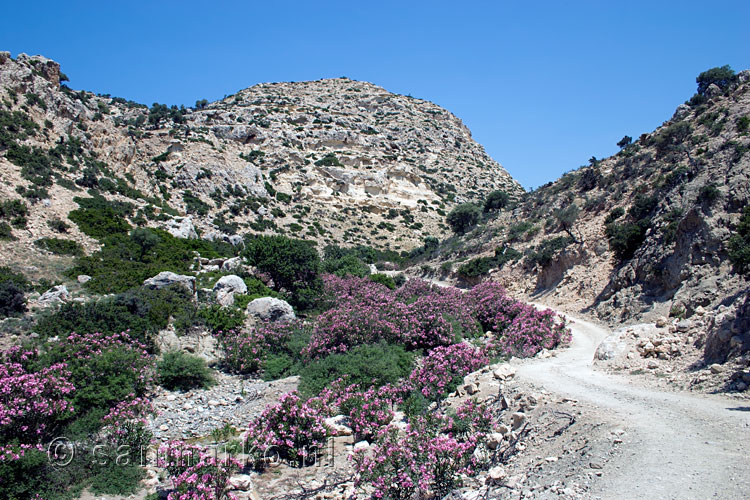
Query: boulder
<point x="233" y="264"/>
<point x="504" y="372"/>
<point x="83" y="278"/>
<point x="55" y="295"/>
<point x="270" y="309"/>
<point x="226" y="287"/>
<point x="519" y="418"/>
<point x="181" y="227"/>
<point x="339" y="425"/>
<point x="168" y="278"/>
<point x="242" y="482"/>
<point x="610" y="348"/>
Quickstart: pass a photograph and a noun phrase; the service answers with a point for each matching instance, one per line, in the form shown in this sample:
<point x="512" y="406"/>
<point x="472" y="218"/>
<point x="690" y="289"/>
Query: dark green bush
<point x="517" y="230"/>
<point x="14" y="211"/>
<point x="739" y="244"/>
<point x="181" y="371"/>
<point x="100" y="218"/>
<point x="222" y="319"/>
<point x="496" y="200"/>
<point x="625" y="239"/>
<point x="6" y="233"/>
<point x="376" y="364"/>
<point x="543" y="253"/>
<point x="126" y="260"/>
<point x="117" y="479"/>
<point x="709" y="193"/>
<point x="383" y="279"/>
<point x="142" y="311"/>
<point x="193" y="204"/>
<point x="476" y="267"/>
<point x="720" y="76"/>
<point x="294" y="265"/>
<point x="614" y="214"/>
<point x="59" y="246"/>
<point x="329" y="160"/>
<point x="12" y="299"/>
<point x="349" y="264"/>
<point x="463" y="217"/>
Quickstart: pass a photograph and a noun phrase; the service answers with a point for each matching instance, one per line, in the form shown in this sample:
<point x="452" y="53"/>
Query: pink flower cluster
<point x="30" y="401"/>
<point x="520" y="329"/>
<point x="291" y="427"/>
<point x="127" y="424"/>
<point x="368" y="410"/>
<point x="197" y="473"/>
<point x="444" y="367"/>
<point x="425" y="460"/>
<point x="418" y="315"/>
<point x="246" y="352"/>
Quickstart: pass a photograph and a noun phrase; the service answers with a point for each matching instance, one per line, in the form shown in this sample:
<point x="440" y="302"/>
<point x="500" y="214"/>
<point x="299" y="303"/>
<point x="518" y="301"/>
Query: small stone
<point x="596" y="465"/>
<point x="83" y="278"/>
<point x="519" y="418"/>
<point x="652" y="365"/>
<point x="716" y="368"/>
<point x="496" y="475"/>
<point x="661" y="322"/>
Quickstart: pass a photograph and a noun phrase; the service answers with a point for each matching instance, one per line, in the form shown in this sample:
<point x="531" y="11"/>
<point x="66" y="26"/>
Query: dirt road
<point x="677" y="445"/>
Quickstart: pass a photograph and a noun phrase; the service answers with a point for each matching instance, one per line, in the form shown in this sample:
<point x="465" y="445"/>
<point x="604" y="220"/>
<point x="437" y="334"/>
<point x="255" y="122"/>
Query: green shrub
<point x="496" y="200"/>
<point x="142" y="311"/>
<point x="181" y="371"/>
<point x="614" y="214"/>
<point x="384" y="280"/>
<point x="517" y="230"/>
<point x="463" y="217"/>
<point x="12" y="299"/>
<point x="720" y="76"/>
<point x="293" y="265"/>
<point x="117" y="479"/>
<point x="14" y="211"/>
<point x="476" y="267"/>
<point x="222" y="319"/>
<point x="100" y="218"/>
<point x="18" y="279"/>
<point x="543" y="253"/>
<point x="739" y="244"/>
<point x="193" y="204"/>
<point x="376" y="364"/>
<point x="347" y="265"/>
<point x="709" y="193"/>
<point x="625" y="239"/>
<point x="329" y="160"/>
<point x="59" y="246"/>
<point x="6" y="233"/>
<point x="743" y="124"/>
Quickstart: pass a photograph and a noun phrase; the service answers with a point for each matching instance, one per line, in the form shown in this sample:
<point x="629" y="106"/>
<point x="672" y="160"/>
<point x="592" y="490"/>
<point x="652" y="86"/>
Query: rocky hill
<point x="635" y="236"/>
<point x="332" y="160"/>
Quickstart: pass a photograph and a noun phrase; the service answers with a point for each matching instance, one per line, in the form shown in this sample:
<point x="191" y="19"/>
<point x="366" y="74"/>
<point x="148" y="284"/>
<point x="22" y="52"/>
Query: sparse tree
<point x="721" y="77"/>
<point x="625" y="142"/>
<point x="463" y="217"/>
<point x="567" y="217"/>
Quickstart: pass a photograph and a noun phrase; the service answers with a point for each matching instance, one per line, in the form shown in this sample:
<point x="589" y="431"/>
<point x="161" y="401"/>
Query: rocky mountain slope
<point x="332" y="160"/>
<point x="635" y="236"/>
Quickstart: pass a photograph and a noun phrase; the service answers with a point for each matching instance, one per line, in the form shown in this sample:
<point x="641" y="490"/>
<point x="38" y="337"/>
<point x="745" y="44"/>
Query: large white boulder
<point x="270" y="309"/>
<point x="226" y="287"/>
<point x="168" y="278"/>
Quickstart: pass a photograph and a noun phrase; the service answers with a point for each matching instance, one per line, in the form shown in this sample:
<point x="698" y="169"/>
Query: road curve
<point x="677" y="446"/>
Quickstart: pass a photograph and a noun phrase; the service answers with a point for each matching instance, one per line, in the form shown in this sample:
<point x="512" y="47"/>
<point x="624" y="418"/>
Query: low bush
<point x="59" y="246"/>
<point x="739" y="244"/>
<point x="496" y="200"/>
<point x="12" y="299"/>
<point x="365" y="365"/>
<point x="98" y="217"/>
<point x="543" y="253"/>
<point x="383" y="279"/>
<point x="181" y="371"/>
<point x="222" y="319"/>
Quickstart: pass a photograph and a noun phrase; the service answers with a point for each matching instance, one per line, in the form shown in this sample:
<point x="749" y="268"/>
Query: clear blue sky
<point x="542" y="85"/>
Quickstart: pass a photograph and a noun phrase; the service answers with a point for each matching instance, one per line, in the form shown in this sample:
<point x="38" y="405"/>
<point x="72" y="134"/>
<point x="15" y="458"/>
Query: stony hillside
<point x="635" y="236"/>
<point x="332" y="160"/>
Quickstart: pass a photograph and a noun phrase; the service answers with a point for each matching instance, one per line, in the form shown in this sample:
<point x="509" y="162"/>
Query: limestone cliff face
<point x="334" y="160"/>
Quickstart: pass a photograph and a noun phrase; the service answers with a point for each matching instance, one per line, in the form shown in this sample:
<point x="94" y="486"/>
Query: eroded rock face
<point x="181" y="227"/>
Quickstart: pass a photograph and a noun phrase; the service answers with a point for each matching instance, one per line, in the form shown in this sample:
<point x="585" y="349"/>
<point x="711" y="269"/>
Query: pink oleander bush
<point x="126" y="424"/>
<point x="443" y="369"/>
<point x="248" y="352"/>
<point x="33" y="403"/>
<point x="423" y="461"/>
<point x="292" y="428"/>
<point x="105" y="368"/>
<point x="196" y="473"/>
<point x="368" y="410"/>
